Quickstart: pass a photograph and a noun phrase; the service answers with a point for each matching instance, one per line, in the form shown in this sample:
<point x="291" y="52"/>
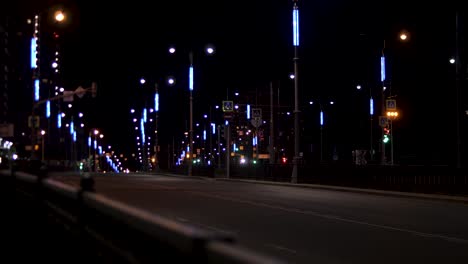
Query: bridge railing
<point x="111" y="230"/>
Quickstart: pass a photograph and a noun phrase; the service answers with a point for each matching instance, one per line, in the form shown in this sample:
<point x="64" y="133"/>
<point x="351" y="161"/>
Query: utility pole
<point x="458" y="73"/>
<point x="272" y="127"/>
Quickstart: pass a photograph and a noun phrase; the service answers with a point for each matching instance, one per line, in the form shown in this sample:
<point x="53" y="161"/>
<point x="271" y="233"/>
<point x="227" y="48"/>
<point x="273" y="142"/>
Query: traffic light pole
<point x="228" y="150"/>
<point x="391" y="142"/>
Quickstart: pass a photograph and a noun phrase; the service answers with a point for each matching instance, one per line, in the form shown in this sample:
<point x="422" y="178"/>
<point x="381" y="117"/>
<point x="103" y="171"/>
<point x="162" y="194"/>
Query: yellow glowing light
<point x="59" y="16"/>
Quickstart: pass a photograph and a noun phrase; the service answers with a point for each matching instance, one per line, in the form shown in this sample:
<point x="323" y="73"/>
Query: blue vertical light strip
<point x="226" y="122"/>
<point x="36" y="90"/>
<point x="382" y="68"/>
<point x="204" y="135"/>
<point x="89" y="141"/>
<point x="145" y="115"/>
<point x="234" y="147"/>
<point x="321" y="118"/>
<point x="295" y="27"/>
<point x="191" y="78"/>
<point x="48" y="109"/>
<point x="156" y="102"/>
<point x="33" y="53"/>
<point x="371" y="104"/>
<point x="72" y="127"/>
<point x="254" y="141"/>
<point x="213" y="128"/>
<point x="74" y="136"/>
<point x="59" y="120"/>
<point x="248" y="112"/>
<point x="95" y="144"/>
<point x="142" y="128"/>
<point x="100" y="150"/>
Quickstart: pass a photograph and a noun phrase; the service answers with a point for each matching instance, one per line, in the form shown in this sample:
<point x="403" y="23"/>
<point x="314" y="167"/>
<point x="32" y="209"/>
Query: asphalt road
<point x="303" y="225"/>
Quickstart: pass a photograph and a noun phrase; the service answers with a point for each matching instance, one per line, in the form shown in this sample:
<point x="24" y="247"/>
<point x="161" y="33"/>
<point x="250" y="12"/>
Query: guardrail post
<point x="87" y="183"/>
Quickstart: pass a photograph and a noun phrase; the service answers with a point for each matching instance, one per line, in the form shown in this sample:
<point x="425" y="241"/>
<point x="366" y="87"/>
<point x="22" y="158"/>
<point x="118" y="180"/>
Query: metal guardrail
<point x="123" y="232"/>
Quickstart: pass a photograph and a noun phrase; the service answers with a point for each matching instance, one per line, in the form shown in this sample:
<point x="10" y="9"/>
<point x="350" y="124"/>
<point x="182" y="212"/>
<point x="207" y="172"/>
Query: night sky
<point x="341" y="43"/>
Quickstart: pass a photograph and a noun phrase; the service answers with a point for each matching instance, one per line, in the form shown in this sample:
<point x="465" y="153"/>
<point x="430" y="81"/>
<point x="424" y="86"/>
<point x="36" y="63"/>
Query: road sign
<point x="80" y="92"/>
<point x="68" y="96"/>
<point x="228" y="106"/>
<point x="33" y="121"/>
<point x="256" y="113"/>
<point x="6" y="130"/>
<point x="256" y="122"/>
<point x="383" y="121"/>
<point x="390" y="104"/>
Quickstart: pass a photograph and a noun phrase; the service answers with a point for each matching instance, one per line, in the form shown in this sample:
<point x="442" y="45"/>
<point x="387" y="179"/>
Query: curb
<point x="183" y="176"/>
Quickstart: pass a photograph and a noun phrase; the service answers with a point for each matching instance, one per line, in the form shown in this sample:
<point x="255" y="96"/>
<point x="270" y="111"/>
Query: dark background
<point x="341" y="43"/>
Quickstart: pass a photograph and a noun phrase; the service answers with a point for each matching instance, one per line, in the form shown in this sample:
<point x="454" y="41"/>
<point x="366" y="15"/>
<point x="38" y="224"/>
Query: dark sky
<point x="341" y="41"/>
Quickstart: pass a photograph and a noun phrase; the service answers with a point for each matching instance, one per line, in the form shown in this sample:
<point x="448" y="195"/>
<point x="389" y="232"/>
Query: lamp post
<point x="458" y="88"/>
<point x="59" y="17"/>
<point x="209" y="50"/>
<point x="382" y="79"/>
<point x="95" y="133"/>
<point x="296" y="158"/>
<point x="156" y="109"/>
<point x="42" y="146"/>
<point x="404" y="37"/>
<point x="190" y="159"/>
<point x="371" y="116"/>
<point x="322" y="124"/>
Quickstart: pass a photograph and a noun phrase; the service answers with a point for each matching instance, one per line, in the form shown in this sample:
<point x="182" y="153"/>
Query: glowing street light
<point x="404" y="36"/>
<point x="59" y="16"/>
<point x="170" y="81"/>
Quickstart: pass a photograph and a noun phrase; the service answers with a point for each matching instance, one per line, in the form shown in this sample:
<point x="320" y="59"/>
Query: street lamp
<point x="156" y="109"/>
<point x="322" y="123"/>
<point x="209" y="50"/>
<point x="404" y="36"/>
<point x="95" y="133"/>
<point x="295" y="24"/>
<point x="42" y="146"/>
<point x="371" y="115"/>
<point x="59" y="16"/>
<point x="35" y="58"/>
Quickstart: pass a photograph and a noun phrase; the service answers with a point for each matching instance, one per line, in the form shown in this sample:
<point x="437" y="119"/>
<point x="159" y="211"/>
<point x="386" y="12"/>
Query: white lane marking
<point x="282" y="248"/>
<point x="325" y="216"/>
<point x="205" y="226"/>
<point x="182" y="219"/>
<point x="332" y="217"/>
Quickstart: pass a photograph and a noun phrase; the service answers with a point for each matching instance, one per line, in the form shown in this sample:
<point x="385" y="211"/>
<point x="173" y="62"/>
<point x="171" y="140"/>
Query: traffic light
<point x="392" y="114"/>
<point x="386" y="136"/>
<point x="386" y="139"/>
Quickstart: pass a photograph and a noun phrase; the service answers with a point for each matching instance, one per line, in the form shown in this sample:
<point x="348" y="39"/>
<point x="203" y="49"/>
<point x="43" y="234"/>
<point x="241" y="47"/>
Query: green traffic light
<point x="386" y="139"/>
